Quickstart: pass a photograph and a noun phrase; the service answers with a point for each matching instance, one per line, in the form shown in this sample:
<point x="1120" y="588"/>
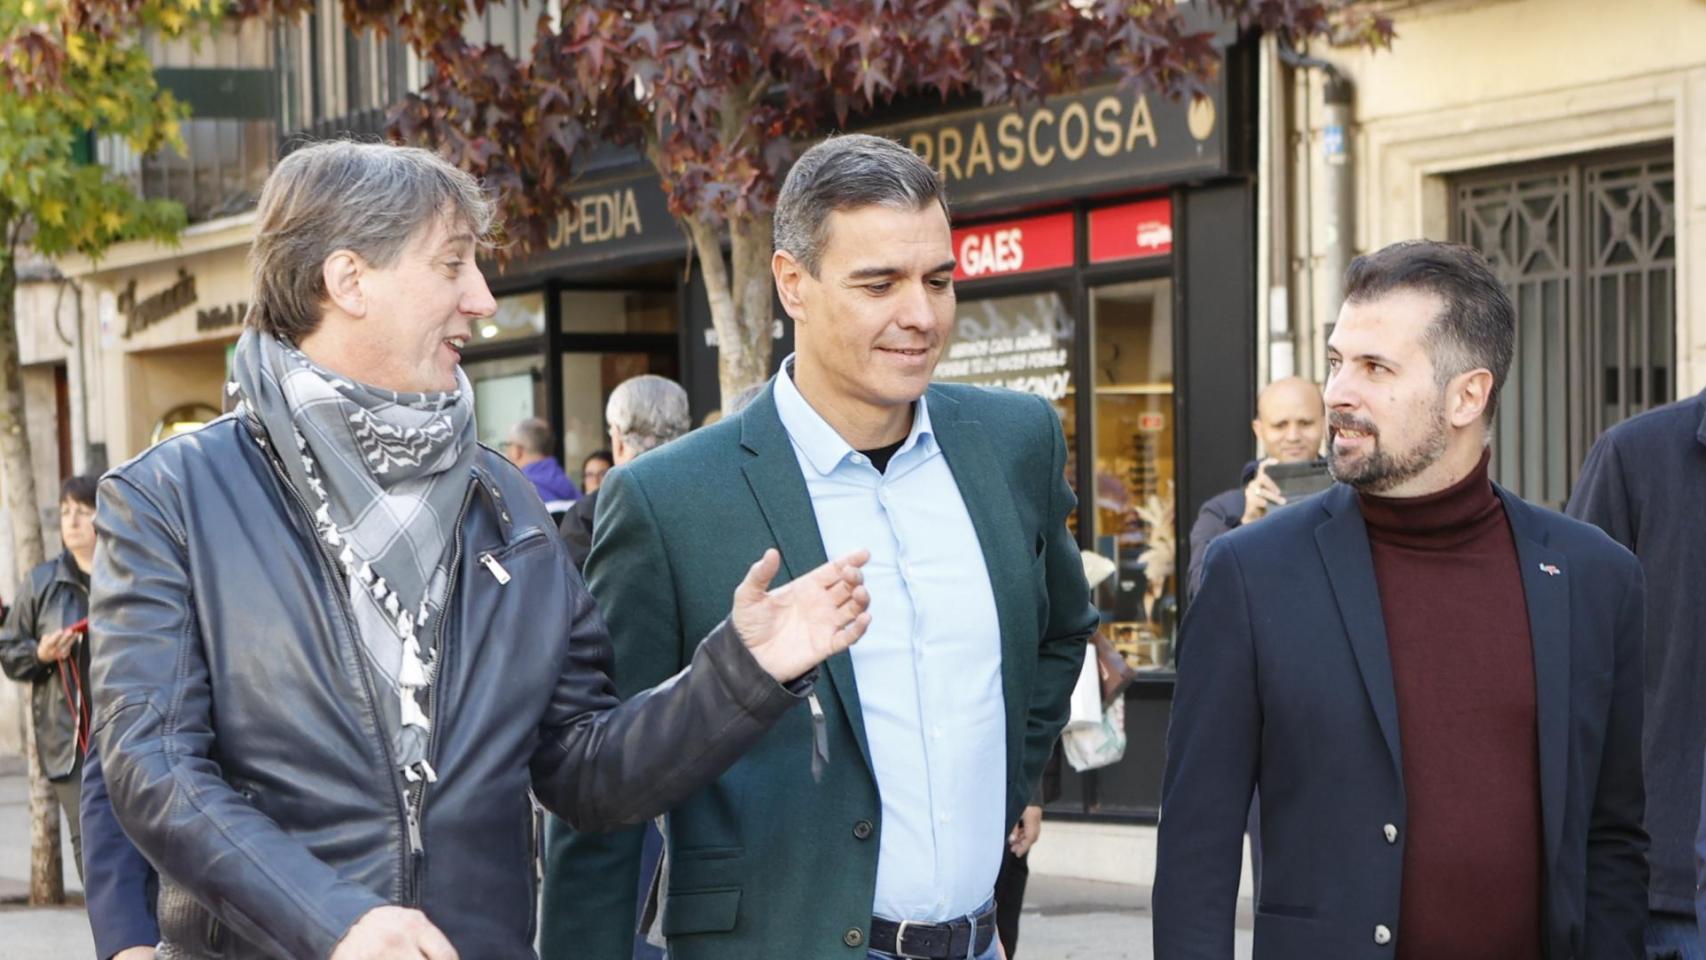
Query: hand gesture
<point x="1261" y="493"/>
<point x="393" y="933"/>
<point x="56" y="646"/>
<point x="794" y="628"/>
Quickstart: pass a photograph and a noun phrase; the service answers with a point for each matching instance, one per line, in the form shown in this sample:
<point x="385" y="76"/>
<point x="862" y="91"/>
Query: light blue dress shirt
<point x="928" y="668"/>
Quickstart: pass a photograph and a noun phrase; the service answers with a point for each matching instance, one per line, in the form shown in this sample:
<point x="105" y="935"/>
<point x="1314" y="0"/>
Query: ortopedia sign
<point x="1131" y="231"/>
<point x="1014" y="247"/>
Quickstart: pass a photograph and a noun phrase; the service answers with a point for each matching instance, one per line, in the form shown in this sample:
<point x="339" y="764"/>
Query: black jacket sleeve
<point x="603" y="764"/>
<point x="18" y="638"/>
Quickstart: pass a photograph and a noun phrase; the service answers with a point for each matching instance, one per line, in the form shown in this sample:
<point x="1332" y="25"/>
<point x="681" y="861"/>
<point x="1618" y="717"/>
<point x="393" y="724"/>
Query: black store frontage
<point x="1106" y="247"/>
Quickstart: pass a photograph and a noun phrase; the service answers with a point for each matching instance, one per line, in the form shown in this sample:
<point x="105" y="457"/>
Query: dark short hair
<point x="1476" y="326"/>
<point x="80" y="488"/>
<point x="847" y="172"/>
<point x="604" y="455"/>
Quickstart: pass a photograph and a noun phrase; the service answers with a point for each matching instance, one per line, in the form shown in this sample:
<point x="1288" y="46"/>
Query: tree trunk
<point x="739" y="291"/>
<point x="47" y="876"/>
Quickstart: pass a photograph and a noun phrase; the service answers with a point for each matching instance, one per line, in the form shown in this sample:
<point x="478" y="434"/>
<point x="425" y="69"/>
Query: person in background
<point x="530" y="448"/>
<point x="593" y="469"/>
<point x="1290" y="422"/>
<point x="43" y="643"/>
<point x="1641" y="484"/>
<point x="643" y="412"/>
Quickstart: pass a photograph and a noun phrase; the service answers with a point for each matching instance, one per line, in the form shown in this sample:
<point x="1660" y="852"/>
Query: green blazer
<point x="766" y="862"/>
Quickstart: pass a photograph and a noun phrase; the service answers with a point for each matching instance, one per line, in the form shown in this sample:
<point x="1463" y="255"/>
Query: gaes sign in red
<point x="1013" y="247"/>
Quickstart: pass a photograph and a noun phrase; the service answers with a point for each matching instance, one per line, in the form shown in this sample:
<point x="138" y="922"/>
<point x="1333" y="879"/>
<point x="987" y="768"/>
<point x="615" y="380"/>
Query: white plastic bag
<point x="1093" y="737"/>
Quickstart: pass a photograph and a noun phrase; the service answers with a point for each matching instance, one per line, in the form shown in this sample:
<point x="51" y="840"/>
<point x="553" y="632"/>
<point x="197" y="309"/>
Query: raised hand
<point x="795" y="627"/>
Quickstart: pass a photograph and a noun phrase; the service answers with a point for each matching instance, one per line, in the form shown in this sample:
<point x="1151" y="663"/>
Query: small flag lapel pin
<point x="1551" y="570"/>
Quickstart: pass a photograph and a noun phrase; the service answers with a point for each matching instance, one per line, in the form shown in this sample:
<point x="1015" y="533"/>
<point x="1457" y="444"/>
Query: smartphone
<point x="1297" y="481"/>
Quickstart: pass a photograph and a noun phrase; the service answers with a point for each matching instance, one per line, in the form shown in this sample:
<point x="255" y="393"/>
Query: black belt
<point x="953" y="940"/>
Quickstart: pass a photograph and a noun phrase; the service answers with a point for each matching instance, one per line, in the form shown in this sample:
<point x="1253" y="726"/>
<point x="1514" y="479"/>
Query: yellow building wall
<point x="1469" y="85"/>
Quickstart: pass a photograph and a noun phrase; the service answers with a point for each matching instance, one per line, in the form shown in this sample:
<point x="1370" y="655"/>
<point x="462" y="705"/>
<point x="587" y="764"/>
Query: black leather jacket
<point x="239" y="735"/>
<point x="50" y="599"/>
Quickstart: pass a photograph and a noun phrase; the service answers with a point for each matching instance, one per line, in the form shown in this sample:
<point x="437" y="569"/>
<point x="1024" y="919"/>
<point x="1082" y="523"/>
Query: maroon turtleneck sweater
<point x="1463" y="671"/>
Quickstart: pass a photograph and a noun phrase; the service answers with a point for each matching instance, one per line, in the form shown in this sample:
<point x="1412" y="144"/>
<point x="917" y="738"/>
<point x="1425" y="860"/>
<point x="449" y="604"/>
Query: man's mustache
<point x="1343" y="421"/>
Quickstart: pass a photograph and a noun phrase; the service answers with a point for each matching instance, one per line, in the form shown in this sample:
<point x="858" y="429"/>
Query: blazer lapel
<point x="1006" y="555"/>
<point x="1546" y="589"/>
<point x="1343" y="541"/>
<point x="773" y="474"/>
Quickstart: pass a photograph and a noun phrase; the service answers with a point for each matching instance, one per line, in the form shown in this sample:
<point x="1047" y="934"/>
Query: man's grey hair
<point x="534" y="436"/>
<point x="844" y="173"/>
<point x="368" y="198"/>
<point x="649" y="411"/>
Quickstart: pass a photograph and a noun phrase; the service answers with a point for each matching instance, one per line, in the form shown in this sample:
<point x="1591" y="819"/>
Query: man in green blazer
<point x="872" y="824"/>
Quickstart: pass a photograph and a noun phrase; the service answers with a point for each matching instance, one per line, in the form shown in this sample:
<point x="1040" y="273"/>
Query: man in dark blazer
<point x="874" y="823"/>
<point x="1641" y="484"/>
<point x="1436" y="686"/>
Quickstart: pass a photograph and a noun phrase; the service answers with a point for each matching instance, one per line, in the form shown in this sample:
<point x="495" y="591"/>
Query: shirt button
<point x="862" y="830"/>
<point x="853" y="937"/>
<point x="1391" y="833"/>
<point x="1382" y="935"/>
<point x="857" y="458"/>
<point x="936" y="733"/>
<point x="944" y="818"/>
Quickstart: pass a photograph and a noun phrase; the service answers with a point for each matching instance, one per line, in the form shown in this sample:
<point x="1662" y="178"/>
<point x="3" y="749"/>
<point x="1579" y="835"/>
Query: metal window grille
<point x="1587" y="248"/>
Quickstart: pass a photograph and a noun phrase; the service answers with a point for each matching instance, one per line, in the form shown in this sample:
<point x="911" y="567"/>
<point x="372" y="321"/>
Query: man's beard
<point x="1380" y="470"/>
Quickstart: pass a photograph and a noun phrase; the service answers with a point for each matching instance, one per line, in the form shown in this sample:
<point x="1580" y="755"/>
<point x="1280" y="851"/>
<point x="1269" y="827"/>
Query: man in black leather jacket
<point x="336" y="643"/>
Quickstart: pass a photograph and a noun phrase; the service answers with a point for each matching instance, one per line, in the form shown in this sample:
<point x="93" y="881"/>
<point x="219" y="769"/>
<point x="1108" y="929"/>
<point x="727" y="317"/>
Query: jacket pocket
<point x="701" y="911"/>
<point x="1285" y="910"/>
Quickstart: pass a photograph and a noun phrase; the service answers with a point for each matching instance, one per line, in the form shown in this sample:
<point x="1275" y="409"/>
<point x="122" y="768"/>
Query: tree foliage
<point x="717" y="93"/>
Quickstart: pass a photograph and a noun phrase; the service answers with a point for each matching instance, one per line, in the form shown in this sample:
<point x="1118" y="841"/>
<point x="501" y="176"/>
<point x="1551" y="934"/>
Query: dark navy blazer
<point x="121" y="888"/>
<point x="1285" y="681"/>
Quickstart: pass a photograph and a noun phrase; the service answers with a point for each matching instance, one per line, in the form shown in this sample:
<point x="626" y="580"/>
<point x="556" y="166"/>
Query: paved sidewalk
<point x="1063" y="919"/>
<point x="41" y="933"/>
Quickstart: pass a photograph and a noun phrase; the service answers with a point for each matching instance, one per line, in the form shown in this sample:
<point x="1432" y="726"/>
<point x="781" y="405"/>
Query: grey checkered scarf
<point x="385" y="474"/>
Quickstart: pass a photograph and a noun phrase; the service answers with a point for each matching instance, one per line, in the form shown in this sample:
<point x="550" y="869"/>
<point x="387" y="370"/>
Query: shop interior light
<point x="489" y="331"/>
<point x="184" y="418"/>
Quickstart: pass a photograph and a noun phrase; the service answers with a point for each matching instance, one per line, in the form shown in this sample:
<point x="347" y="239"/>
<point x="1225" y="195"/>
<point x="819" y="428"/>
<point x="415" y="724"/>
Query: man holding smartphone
<point x="1290" y="422"/>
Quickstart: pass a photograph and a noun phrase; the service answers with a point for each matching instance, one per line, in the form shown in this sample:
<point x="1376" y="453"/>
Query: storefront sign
<point x="141" y="314"/>
<point x="620" y="219"/>
<point x="1101" y="138"/>
<point x="1013" y="247"/>
<point x="230" y="315"/>
<point x="1131" y="231"/>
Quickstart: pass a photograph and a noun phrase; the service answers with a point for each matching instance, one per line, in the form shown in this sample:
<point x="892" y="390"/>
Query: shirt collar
<point x="824" y="448"/>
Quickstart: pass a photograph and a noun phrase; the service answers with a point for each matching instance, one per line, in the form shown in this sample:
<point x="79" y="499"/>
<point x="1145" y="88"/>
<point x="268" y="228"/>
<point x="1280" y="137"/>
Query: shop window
<point x="517" y="318"/>
<point x="620" y="311"/>
<point x="1134" y="511"/>
<point x="506" y="391"/>
<point x="1027" y="342"/>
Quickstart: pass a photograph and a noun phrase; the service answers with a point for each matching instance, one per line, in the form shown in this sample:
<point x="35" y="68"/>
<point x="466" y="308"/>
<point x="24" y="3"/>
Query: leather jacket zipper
<point x="330" y="567"/>
<point x="417" y="809"/>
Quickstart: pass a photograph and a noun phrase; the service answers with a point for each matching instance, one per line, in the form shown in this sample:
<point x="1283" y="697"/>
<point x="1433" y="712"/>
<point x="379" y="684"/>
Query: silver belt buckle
<point x="900" y="940"/>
